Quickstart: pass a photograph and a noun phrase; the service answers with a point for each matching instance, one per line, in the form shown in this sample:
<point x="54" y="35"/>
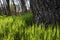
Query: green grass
<point x="20" y="28"/>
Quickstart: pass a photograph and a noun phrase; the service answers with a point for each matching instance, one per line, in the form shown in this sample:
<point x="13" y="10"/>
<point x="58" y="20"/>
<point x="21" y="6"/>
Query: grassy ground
<point x="20" y="28"/>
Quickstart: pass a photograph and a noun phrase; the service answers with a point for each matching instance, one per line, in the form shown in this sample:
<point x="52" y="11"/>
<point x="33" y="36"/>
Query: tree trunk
<point x="8" y="8"/>
<point x="45" y="11"/>
<point x="24" y="9"/>
<point x="14" y="7"/>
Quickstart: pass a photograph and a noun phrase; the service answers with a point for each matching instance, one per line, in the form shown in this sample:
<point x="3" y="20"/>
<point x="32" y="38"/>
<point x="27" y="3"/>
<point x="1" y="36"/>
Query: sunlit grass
<point x="19" y="28"/>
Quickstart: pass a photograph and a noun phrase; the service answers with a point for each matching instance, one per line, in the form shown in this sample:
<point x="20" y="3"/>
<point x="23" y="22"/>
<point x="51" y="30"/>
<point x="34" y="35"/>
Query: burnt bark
<point x="24" y="9"/>
<point x="45" y="11"/>
<point x="8" y="8"/>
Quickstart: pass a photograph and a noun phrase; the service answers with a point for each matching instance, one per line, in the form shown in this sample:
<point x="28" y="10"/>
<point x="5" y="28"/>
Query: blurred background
<point x="14" y="7"/>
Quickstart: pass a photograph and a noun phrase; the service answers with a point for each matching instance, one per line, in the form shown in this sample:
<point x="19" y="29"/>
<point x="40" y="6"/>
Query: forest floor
<point x="22" y="28"/>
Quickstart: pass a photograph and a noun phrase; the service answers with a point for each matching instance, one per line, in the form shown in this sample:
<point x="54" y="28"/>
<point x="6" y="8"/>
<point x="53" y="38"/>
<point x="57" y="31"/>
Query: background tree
<point x="8" y="7"/>
<point x="24" y="9"/>
<point x="18" y="6"/>
<point x="0" y="7"/>
<point x="14" y="7"/>
<point x="4" y="8"/>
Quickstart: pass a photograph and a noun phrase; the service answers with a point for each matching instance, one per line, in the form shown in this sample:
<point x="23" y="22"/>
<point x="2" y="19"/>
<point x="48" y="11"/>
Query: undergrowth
<point x="22" y="28"/>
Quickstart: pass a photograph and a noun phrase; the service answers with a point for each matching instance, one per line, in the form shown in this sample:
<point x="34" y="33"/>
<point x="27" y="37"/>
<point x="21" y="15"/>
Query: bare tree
<point x="14" y="6"/>
<point x="8" y="7"/>
<point x="24" y="9"/>
<point x="0" y="6"/>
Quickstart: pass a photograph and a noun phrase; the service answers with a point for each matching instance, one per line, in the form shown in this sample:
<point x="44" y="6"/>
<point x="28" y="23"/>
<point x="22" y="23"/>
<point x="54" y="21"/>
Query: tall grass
<point x="20" y="28"/>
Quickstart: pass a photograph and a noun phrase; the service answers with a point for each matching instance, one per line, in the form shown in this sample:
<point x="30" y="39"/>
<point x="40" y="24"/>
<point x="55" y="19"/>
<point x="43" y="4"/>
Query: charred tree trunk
<point x="8" y="8"/>
<point x="45" y="11"/>
<point x="24" y="9"/>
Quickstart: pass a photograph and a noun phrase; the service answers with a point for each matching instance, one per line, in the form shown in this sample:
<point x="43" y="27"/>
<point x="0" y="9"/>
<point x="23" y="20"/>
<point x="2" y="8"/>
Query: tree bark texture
<point x="8" y="8"/>
<point x="45" y="11"/>
<point x="24" y="9"/>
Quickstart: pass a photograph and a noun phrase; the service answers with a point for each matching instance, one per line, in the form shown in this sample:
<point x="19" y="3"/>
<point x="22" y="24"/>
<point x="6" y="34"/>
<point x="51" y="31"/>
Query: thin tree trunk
<point x="24" y="9"/>
<point x="14" y="7"/>
<point x="8" y="8"/>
